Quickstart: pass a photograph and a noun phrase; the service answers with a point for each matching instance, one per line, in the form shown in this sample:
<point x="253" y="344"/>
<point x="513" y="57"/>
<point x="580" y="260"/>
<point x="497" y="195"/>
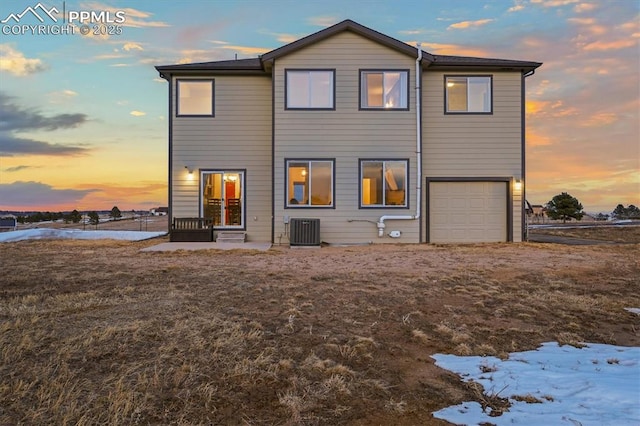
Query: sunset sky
<point x="83" y="118"/>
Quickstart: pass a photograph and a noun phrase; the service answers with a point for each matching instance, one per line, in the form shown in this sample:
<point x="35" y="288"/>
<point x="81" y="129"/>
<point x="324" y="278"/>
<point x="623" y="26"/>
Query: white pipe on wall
<point x="380" y="224"/>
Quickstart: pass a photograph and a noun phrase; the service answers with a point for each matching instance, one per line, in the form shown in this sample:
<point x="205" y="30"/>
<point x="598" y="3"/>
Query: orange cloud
<point x="470" y="24"/>
<point x="132" y="46"/>
<point x="287" y="38"/>
<point x="553" y="3"/>
<point x="582" y="21"/>
<point x="600" y="119"/>
<point x="590" y="25"/>
<point x="452" y="49"/>
<point x="549" y="109"/>
<point x="533" y="107"/>
<point x="584" y="7"/>
<point x="194" y="55"/>
<point x="610" y="45"/>
<point x="630" y="26"/>
<point x="537" y="139"/>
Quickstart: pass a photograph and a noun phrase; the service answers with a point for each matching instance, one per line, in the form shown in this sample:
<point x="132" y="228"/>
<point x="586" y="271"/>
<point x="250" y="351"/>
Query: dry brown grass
<point x="596" y="231"/>
<point x="97" y="332"/>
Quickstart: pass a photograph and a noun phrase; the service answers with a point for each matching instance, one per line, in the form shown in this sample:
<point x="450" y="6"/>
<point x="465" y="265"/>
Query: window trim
<point x="196" y="80"/>
<point x="309" y="70"/>
<point x="407" y="184"/>
<point x="309" y="206"/>
<point x="361" y="71"/>
<point x="446" y="95"/>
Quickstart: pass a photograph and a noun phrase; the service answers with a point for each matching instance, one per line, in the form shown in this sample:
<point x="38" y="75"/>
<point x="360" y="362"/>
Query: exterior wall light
<point x="190" y="172"/>
<point x="517" y="185"/>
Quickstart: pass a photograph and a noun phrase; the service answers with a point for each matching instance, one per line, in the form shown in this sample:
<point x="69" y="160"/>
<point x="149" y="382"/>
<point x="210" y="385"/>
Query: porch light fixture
<point x="190" y="171"/>
<point x="517" y="185"/>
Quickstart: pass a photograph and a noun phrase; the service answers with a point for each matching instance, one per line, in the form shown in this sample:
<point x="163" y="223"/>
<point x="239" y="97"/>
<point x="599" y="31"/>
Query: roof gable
<point x="346" y="25"/>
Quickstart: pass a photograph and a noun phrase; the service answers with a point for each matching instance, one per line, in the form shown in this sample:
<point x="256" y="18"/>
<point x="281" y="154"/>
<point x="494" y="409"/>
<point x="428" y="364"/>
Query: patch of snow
<point x="633" y="310"/>
<point x="596" y="385"/>
<point x="48" y="233"/>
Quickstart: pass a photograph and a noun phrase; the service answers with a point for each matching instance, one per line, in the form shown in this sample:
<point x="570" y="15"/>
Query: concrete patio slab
<point x="208" y="246"/>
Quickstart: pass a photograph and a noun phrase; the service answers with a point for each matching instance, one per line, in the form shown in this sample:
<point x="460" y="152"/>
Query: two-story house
<point x="379" y="140"/>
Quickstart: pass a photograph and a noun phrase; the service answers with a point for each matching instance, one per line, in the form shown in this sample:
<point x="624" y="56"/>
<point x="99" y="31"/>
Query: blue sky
<point x="84" y="117"/>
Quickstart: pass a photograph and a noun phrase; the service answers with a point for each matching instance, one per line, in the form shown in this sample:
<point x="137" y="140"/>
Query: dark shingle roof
<point x="468" y="61"/>
<point x="253" y="64"/>
<point x="257" y="65"/>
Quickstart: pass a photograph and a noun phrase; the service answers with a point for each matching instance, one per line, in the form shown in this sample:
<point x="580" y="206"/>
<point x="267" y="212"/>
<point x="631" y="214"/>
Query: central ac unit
<point x="304" y="232"/>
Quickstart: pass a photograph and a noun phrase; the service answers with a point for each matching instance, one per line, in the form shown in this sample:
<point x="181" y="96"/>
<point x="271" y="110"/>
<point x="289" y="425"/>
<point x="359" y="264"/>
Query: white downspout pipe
<point x="381" y="225"/>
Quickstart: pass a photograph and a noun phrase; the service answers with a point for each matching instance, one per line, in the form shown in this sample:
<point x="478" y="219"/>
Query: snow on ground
<point x="596" y="385"/>
<point x="48" y="233"/>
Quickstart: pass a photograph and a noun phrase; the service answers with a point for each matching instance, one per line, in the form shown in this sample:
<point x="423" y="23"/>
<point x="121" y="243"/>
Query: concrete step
<point x="231" y="237"/>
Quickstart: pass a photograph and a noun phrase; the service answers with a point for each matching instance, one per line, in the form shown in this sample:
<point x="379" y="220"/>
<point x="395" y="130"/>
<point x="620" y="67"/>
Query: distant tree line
<point x="622" y="212"/>
<point x="72" y="217"/>
<point x="40" y="217"/>
<point x="564" y="206"/>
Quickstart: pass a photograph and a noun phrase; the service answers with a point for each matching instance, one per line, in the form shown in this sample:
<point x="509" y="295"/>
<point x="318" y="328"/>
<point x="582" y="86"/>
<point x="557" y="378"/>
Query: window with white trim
<point x="310" y="89"/>
<point x="195" y="97"/>
<point x="309" y="183"/>
<point x="383" y="183"/>
<point x="384" y="89"/>
<point x="468" y="94"/>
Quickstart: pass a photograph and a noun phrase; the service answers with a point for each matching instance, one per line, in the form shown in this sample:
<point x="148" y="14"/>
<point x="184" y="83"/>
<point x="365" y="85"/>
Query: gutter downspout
<point x="524" y="234"/>
<point x="381" y="225"/>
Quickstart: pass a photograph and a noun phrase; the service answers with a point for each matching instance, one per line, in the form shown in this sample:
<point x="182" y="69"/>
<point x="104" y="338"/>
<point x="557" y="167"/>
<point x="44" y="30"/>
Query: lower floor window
<point x="383" y="183"/>
<point x="309" y="183"/>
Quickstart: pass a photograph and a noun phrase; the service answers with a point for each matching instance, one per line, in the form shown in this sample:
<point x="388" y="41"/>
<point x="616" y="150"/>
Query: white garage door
<point x="467" y="212"/>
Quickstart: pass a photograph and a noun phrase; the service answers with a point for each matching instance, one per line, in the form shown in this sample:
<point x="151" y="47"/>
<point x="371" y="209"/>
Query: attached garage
<point x="468" y="211"/>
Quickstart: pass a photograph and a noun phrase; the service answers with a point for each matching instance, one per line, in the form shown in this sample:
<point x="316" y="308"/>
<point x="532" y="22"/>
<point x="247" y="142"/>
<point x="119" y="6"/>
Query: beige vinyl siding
<point x="470" y="145"/>
<point x="237" y="138"/>
<point x="345" y="135"/>
<point x="475" y="145"/>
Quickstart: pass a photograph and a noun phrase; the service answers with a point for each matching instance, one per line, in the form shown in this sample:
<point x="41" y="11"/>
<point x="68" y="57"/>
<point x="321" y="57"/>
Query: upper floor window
<point x="468" y="94"/>
<point x="195" y="97"/>
<point x="383" y="183"/>
<point x="384" y="89"/>
<point x="309" y="183"/>
<point x="310" y="89"/>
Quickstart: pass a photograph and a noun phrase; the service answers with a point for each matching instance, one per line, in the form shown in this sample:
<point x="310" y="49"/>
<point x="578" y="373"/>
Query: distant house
<point x="8" y="223"/>
<point x="159" y="211"/>
<point x="537" y="213"/>
<point x="376" y="139"/>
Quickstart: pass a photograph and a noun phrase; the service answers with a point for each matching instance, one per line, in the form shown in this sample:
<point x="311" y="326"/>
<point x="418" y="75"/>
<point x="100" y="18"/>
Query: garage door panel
<point x="477" y="220"/>
<point x="466" y="212"/>
<point x="477" y="203"/>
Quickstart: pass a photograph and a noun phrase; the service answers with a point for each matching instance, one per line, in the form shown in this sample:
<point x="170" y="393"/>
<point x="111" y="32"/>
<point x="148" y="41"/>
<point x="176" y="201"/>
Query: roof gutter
<point x="380" y="224"/>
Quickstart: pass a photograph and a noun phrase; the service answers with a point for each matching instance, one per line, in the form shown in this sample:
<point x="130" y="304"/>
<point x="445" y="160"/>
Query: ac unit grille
<point x="304" y="232"/>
